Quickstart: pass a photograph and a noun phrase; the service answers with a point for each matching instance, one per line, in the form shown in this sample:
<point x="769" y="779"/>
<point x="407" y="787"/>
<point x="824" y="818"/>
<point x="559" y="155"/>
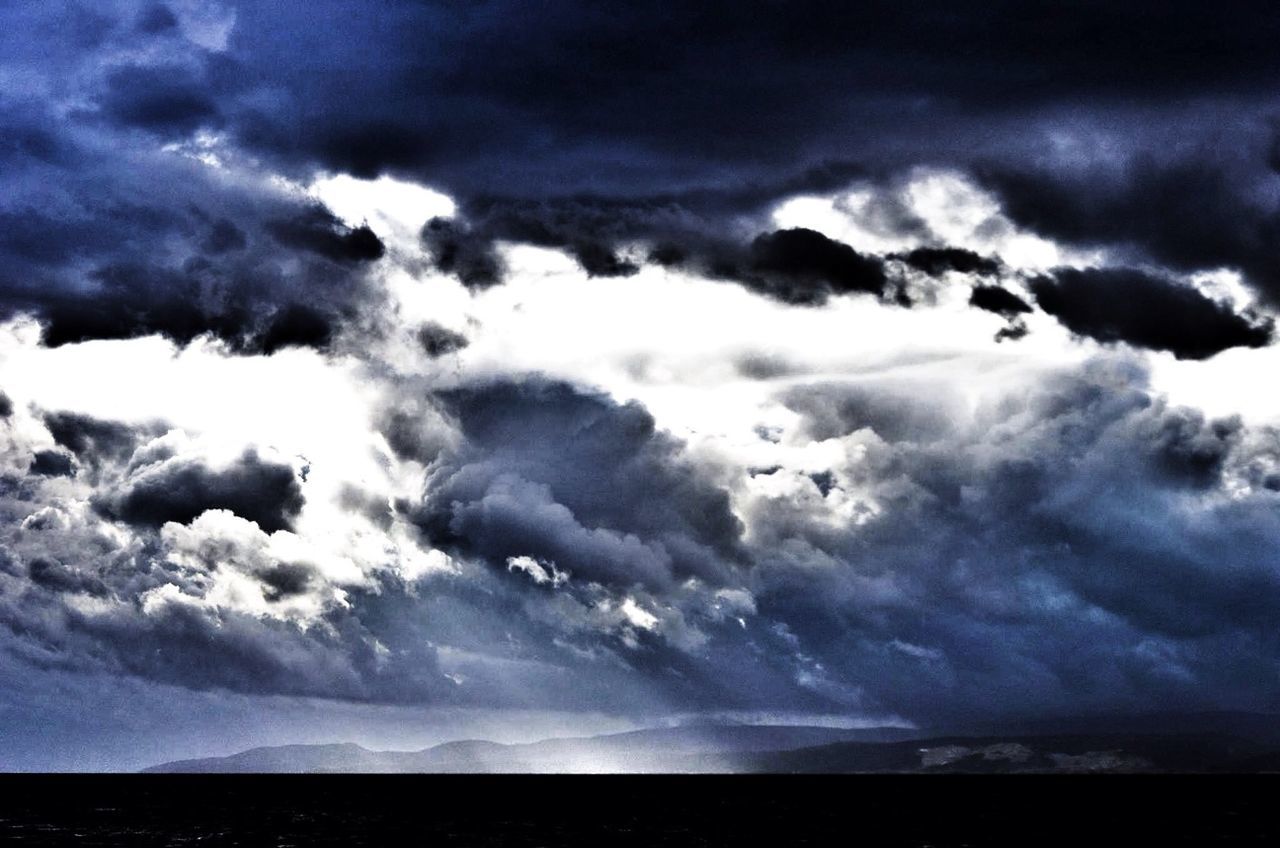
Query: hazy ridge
<point x="1205" y="742"/>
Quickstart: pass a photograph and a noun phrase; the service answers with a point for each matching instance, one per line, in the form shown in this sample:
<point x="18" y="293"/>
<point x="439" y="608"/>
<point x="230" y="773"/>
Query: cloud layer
<point x="889" y="362"/>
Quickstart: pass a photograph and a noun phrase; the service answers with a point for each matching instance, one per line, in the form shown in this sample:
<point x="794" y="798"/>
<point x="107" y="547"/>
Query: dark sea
<point x="612" y="810"/>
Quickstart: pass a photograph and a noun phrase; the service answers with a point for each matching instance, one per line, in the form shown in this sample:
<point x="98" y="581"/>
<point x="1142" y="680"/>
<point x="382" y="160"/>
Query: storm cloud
<point x="1019" y="522"/>
<point x="1194" y="212"/>
<point x="1121" y="305"/>
<point x="858" y="69"/>
<point x="175" y="490"/>
<point x="876" y="361"/>
<point x="551" y="472"/>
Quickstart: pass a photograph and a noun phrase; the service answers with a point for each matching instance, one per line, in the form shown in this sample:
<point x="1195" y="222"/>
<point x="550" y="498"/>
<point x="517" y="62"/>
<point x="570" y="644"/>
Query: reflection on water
<point x="611" y="810"/>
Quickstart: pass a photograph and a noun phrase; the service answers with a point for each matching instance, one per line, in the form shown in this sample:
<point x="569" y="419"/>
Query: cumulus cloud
<point x="108" y="234"/>
<point x="148" y="570"/>
<point x="180" y="489"/>
<point x="232" y="565"/>
<point x="1086" y="506"/>
<point x="477" y="389"/>
<point x="983" y="540"/>
<point x="559" y="474"/>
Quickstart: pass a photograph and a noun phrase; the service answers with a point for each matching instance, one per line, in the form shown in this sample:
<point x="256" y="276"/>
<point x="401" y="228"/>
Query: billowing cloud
<point x="715" y="359"/>
<point x="1085" y="508"/>
<point x="178" y="489"/>
<point x="551" y="472"/>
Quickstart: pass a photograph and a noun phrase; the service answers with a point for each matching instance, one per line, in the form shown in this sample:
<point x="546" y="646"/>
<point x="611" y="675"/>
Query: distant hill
<point x="691" y="748"/>
<point x="284" y="758"/>
<point x="1203" y="742"/>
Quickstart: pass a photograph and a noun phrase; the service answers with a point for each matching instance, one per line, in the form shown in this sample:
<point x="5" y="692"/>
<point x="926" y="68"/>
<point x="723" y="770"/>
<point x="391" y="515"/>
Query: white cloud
<point x="637" y="615"/>
<point x="206" y="23"/>
<point x="541" y="573"/>
<point x="229" y="564"/>
<point x="395" y="210"/>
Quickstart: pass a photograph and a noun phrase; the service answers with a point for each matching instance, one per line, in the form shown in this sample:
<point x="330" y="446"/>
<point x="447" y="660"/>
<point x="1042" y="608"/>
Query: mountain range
<point x="1200" y="742"/>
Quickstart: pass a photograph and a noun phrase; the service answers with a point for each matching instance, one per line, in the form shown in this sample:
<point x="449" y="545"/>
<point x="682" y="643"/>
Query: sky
<point x="398" y="372"/>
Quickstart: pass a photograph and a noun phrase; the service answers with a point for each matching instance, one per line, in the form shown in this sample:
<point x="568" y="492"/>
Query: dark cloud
<point x="796" y="266"/>
<point x="286" y="580"/>
<point x="1011" y="332"/>
<point x="117" y="246"/>
<point x="438" y="340"/>
<point x="1200" y="211"/>
<point x="534" y="155"/>
<point x="1001" y="82"/>
<point x="130" y="302"/>
<point x="833" y="81"/>
<point x="1075" y="546"/>
<point x="180" y="490"/>
<point x="590" y="229"/>
<point x="93" y="440"/>
<point x="998" y="300"/>
<point x="180" y="644"/>
<point x="834" y="410"/>
<point x="564" y="475"/>
<point x="167" y="100"/>
<point x="52" y="464"/>
<point x="296" y="326"/>
<point x="936" y="261"/>
<point x="804" y="266"/>
<point x="224" y="236"/>
<point x="156" y="18"/>
<point x="59" y="578"/>
<point x="824" y="480"/>
<point x="600" y="261"/>
<point x="1006" y="304"/>
<point x="6" y="406"/>
<point x="133" y="301"/>
<point x="320" y="232"/>
<point x="378" y="511"/>
<point x="761" y="366"/>
<point x="1190" y="449"/>
<point x="1085" y="507"/>
<point x="32" y="136"/>
<point x="1081" y="535"/>
<point x="1146" y="310"/>
<point x="456" y="250"/>
<point x="151" y="621"/>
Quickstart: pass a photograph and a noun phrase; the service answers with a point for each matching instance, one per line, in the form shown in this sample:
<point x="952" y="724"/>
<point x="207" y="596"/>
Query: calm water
<point x="1089" y="811"/>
